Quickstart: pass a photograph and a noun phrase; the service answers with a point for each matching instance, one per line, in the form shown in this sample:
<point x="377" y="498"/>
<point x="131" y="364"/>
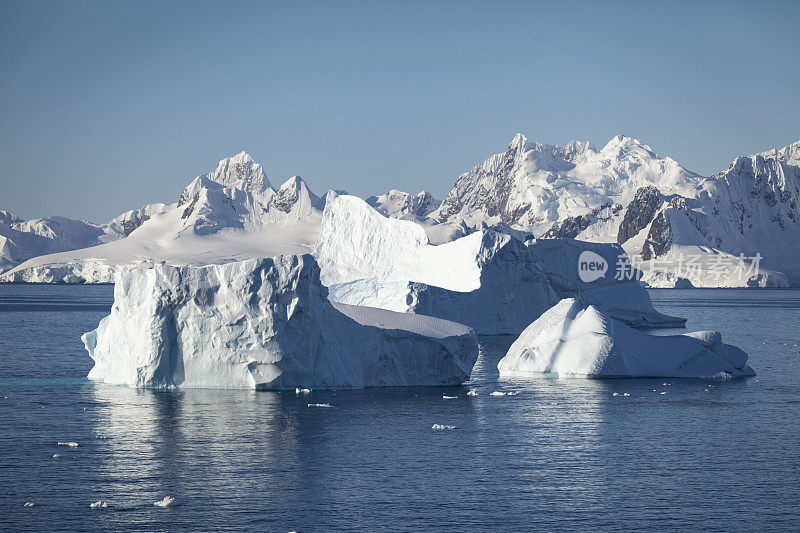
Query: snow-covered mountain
<point x="229" y="214"/>
<point x="663" y="214"/>
<point x="396" y="204"/>
<point x="736" y="228"/>
<point x="21" y="240"/>
<point x="533" y="186"/>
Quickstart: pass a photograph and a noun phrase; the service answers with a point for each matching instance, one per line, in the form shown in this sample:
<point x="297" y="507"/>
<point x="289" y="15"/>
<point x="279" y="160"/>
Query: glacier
<point x="575" y="338"/>
<point x="265" y="324"/>
<point x="487" y="280"/>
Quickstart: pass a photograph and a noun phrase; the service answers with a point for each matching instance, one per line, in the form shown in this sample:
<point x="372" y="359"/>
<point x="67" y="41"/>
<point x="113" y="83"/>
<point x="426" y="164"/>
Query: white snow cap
<point x="575" y="339"/>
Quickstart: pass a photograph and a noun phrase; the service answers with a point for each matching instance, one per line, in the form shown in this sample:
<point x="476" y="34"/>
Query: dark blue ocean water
<point x="561" y="454"/>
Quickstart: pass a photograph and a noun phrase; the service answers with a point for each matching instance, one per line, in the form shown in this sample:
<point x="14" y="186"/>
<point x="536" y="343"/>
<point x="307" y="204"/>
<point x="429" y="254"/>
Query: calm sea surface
<point x="561" y="454"/>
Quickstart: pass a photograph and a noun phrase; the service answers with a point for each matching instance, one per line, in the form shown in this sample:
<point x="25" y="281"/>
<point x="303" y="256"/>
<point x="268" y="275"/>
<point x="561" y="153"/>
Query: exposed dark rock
<point x="640" y="212"/>
<point x="659" y="238"/>
<point x="571" y="227"/>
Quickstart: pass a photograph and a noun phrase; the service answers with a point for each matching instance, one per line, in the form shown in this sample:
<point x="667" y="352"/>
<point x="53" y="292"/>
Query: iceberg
<point x="265" y="324"/>
<point x="617" y="291"/>
<point x="488" y="280"/>
<point x="575" y="338"/>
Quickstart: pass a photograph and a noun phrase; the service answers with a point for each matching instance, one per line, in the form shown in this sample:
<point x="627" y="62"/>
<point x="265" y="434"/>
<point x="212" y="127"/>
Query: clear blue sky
<point x="107" y="106"/>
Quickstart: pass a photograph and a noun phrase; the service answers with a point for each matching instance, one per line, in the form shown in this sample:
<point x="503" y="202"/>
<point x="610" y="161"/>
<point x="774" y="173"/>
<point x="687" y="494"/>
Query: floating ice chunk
<point x="615" y="394"/>
<point x="663" y="393"/>
<point x="56" y="455"/>
<point x="99" y="504"/>
<point x="446" y="397"/>
<point x="472" y="393"/>
<point x="497" y="393"/>
<point x="302" y="391"/>
<point x="576" y="339"/>
<point x="166" y="502"/>
<point x="29" y="504"/>
<point x="266" y="324"/>
<point x="440" y="427"/>
<point x="320" y="405"/>
<point x="71" y="444"/>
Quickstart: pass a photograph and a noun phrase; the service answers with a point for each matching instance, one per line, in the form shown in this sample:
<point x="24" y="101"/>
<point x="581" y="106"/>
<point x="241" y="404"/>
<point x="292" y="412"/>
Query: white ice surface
<point x="265" y="323"/>
<point x="486" y="280"/>
<point x="576" y="339"/>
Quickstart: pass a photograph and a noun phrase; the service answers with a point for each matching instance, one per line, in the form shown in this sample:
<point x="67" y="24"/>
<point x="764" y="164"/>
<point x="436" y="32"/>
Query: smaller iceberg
<point x="578" y="339"/>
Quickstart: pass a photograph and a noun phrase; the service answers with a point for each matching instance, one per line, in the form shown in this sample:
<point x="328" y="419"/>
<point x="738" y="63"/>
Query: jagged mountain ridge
<point x="627" y="193"/>
<point x="222" y="215"/>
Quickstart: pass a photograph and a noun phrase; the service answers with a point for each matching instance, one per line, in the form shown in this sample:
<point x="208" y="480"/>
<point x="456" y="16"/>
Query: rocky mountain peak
<point x="241" y="172"/>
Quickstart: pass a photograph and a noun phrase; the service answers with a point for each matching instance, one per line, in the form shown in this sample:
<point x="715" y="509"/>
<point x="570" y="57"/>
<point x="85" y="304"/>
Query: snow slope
<point x="265" y="324"/>
<point x="230" y="214"/>
<point x="577" y="339"/>
<point x="21" y="240"/>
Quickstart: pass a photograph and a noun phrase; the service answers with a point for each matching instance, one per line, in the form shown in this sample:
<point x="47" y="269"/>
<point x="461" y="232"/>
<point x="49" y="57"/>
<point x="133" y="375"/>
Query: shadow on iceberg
<point x="575" y="338"/>
<point x="265" y="324"/>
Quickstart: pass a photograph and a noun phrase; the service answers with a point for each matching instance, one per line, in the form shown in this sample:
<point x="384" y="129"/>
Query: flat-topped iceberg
<point x="265" y="324"/>
<point x="578" y="339"/>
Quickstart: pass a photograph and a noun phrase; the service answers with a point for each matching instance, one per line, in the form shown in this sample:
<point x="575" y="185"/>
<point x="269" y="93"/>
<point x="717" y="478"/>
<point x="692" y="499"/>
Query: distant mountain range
<point x="679" y="227"/>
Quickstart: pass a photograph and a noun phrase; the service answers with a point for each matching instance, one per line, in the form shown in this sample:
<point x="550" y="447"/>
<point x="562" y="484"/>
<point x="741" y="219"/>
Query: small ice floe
<point x="56" y="455"/>
<point x="166" y="502"/>
<point x="302" y="391"/>
<point x="497" y="393"/>
<point x="29" y="504"/>
<point x="615" y="394"/>
<point x="472" y="393"/>
<point x="441" y="427"/>
<point x="446" y="397"/>
<point x="71" y="444"/>
<point x="663" y="393"/>
<point x="320" y="405"/>
<point x="99" y="504"/>
<point x="626" y="394"/>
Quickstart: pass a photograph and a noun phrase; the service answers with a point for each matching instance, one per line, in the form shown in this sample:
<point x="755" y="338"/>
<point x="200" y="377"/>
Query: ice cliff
<point x="265" y="324"/>
<point x="578" y="339"/>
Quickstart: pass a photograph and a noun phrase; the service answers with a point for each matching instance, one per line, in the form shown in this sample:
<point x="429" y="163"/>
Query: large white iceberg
<point x="265" y="324"/>
<point x="487" y="280"/>
<point x="578" y="339"/>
